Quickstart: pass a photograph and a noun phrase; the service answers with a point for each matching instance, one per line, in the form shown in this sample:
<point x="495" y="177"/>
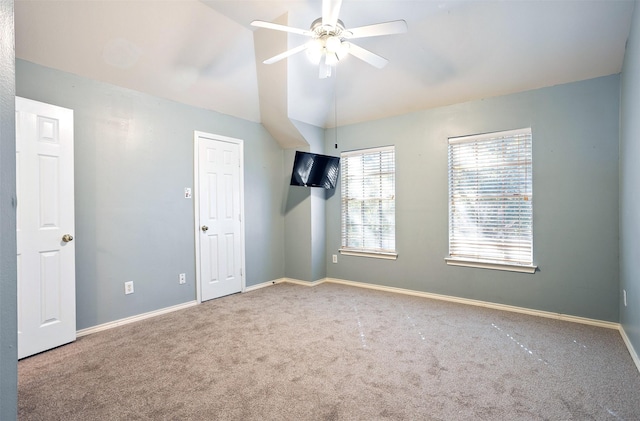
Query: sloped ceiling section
<point x="179" y="50"/>
<point x="273" y="87"/>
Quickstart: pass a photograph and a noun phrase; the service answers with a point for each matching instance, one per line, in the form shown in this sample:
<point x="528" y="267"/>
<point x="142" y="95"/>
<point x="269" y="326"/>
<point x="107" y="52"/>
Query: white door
<point x="45" y="227"/>
<point x="219" y="213"/>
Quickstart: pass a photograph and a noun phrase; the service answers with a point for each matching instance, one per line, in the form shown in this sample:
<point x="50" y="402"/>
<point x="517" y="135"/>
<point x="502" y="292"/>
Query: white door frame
<point x="196" y="202"/>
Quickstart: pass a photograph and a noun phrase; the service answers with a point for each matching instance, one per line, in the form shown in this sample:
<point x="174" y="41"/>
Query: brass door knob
<point x="205" y="228"/>
<point x="67" y="237"/>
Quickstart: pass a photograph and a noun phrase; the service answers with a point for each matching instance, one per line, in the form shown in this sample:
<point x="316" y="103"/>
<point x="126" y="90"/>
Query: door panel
<point x="49" y="193"/>
<point x="219" y="216"/>
<point x="46" y="263"/>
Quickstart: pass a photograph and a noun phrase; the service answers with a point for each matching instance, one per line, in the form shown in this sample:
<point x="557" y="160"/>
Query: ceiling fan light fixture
<point x="343" y="50"/>
<point x="331" y="59"/>
<point x="332" y="44"/>
<point x="315" y="50"/>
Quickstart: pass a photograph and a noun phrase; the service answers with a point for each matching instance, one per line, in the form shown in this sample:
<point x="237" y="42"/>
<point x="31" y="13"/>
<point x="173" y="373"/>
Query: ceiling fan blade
<point x="278" y="27"/>
<point x="367" y="56"/>
<point x="286" y="54"/>
<point x="385" y="28"/>
<point x="330" y="12"/>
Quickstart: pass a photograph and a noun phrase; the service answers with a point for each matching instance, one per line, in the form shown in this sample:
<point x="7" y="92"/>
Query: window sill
<point x="487" y="265"/>
<point x="372" y="254"/>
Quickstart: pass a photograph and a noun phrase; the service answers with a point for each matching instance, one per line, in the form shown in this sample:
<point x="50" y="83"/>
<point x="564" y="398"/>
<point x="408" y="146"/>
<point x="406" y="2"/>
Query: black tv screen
<point x="315" y="170"/>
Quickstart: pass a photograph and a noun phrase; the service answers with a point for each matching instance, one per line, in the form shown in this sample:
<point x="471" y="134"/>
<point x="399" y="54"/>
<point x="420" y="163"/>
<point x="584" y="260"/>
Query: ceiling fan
<point x="330" y="40"/>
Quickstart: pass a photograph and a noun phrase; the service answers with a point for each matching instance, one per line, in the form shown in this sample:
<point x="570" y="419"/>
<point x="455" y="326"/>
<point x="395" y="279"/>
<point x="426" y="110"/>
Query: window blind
<point x="368" y="200"/>
<point x="490" y="198"/>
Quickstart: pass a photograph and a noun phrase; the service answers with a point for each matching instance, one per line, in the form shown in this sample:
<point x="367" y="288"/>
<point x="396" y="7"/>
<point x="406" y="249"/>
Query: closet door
<point x="45" y="227"/>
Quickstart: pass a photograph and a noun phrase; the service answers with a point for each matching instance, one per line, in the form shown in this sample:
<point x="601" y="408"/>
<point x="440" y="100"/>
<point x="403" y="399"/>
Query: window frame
<point x="373" y="252"/>
<point x="475" y="255"/>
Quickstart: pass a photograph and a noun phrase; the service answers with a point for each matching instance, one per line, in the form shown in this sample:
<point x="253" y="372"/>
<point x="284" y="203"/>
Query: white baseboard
<point x="262" y="285"/>
<point x="467" y="301"/>
<point x="132" y="319"/>
<point x="278" y="281"/>
<point x="632" y="351"/>
<point x="304" y="283"/>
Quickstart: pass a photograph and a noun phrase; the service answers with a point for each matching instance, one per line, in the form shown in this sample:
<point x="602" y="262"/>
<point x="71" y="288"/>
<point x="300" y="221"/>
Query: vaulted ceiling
<point x="206" y="54"/>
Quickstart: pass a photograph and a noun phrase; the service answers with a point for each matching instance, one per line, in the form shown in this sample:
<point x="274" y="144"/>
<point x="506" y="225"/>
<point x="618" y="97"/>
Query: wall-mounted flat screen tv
<point x="315" y="170"/>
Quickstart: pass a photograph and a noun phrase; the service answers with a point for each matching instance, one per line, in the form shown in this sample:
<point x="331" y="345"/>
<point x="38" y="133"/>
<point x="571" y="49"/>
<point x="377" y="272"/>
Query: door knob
<point x="67" y="237"/>
<point x="205" y="228"/>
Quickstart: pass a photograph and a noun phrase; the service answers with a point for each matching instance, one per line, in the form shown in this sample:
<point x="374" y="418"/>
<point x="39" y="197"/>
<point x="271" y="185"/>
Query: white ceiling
<point x="203" y="53"/>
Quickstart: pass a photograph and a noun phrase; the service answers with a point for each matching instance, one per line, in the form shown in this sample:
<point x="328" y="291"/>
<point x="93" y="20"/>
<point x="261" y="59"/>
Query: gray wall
<point x="575" y="190"/>
<point x="629" y="182"/>
<point x="318" y="234"/>
<point x="304" y="208"/>
<point x="133" y="159"/>
<point x="8" y="276"/>
<point x="297" y="227"/>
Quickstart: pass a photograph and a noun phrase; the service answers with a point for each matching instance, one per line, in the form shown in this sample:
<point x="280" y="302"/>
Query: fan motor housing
<point x="332" y="31"/>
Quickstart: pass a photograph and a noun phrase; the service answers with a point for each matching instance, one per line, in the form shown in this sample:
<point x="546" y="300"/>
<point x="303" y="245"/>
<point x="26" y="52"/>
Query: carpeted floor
<point x="335" y="352"/>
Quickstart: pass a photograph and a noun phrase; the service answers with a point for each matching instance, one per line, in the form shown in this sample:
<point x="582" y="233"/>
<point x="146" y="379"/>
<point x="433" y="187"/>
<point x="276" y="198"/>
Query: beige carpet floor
<point x="335" y="352"/>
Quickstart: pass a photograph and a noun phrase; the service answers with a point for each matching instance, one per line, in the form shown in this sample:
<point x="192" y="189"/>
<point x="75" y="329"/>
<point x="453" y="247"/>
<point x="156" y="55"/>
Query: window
<point x="368" y="202"/>
<point x="490" y="201"/>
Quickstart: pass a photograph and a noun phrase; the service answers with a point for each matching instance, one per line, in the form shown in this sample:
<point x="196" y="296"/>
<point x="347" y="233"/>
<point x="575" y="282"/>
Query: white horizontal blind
<point x="490" y="198"/>
<point x="368" y="200"/>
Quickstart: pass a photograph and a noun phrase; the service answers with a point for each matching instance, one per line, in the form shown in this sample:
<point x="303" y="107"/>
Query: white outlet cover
<point x="128" y="287"/>
<point x="187" y="193"/>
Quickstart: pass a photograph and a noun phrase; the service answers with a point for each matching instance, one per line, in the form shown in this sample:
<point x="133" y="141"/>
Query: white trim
<point x="196" y="204"/>
<point x="196" y="210"/>
<point x="459" y="300"/>
<point x="260" y="286"/>
<point x="489" y="135"/>
<point x="374" y="254"/>
<point x="139" y="317"/>
<point x="133" y="319"/>
<point x="303" y="283"/>
<point x="632" y="351"/>
<point x="284" y="280"/>
<point x="452" y="261"/>
<point x="478" y="303"/>
<point x="365" y="151"/>
<point x="243" y="282"/>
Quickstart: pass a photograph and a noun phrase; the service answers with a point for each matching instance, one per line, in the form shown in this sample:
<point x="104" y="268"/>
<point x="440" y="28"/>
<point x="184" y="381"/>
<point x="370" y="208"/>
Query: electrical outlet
<point x="128" y="287"/>
<point x="182" y="278"/>
<point x="335" y="258"/>
<point x="624" y="297"/>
